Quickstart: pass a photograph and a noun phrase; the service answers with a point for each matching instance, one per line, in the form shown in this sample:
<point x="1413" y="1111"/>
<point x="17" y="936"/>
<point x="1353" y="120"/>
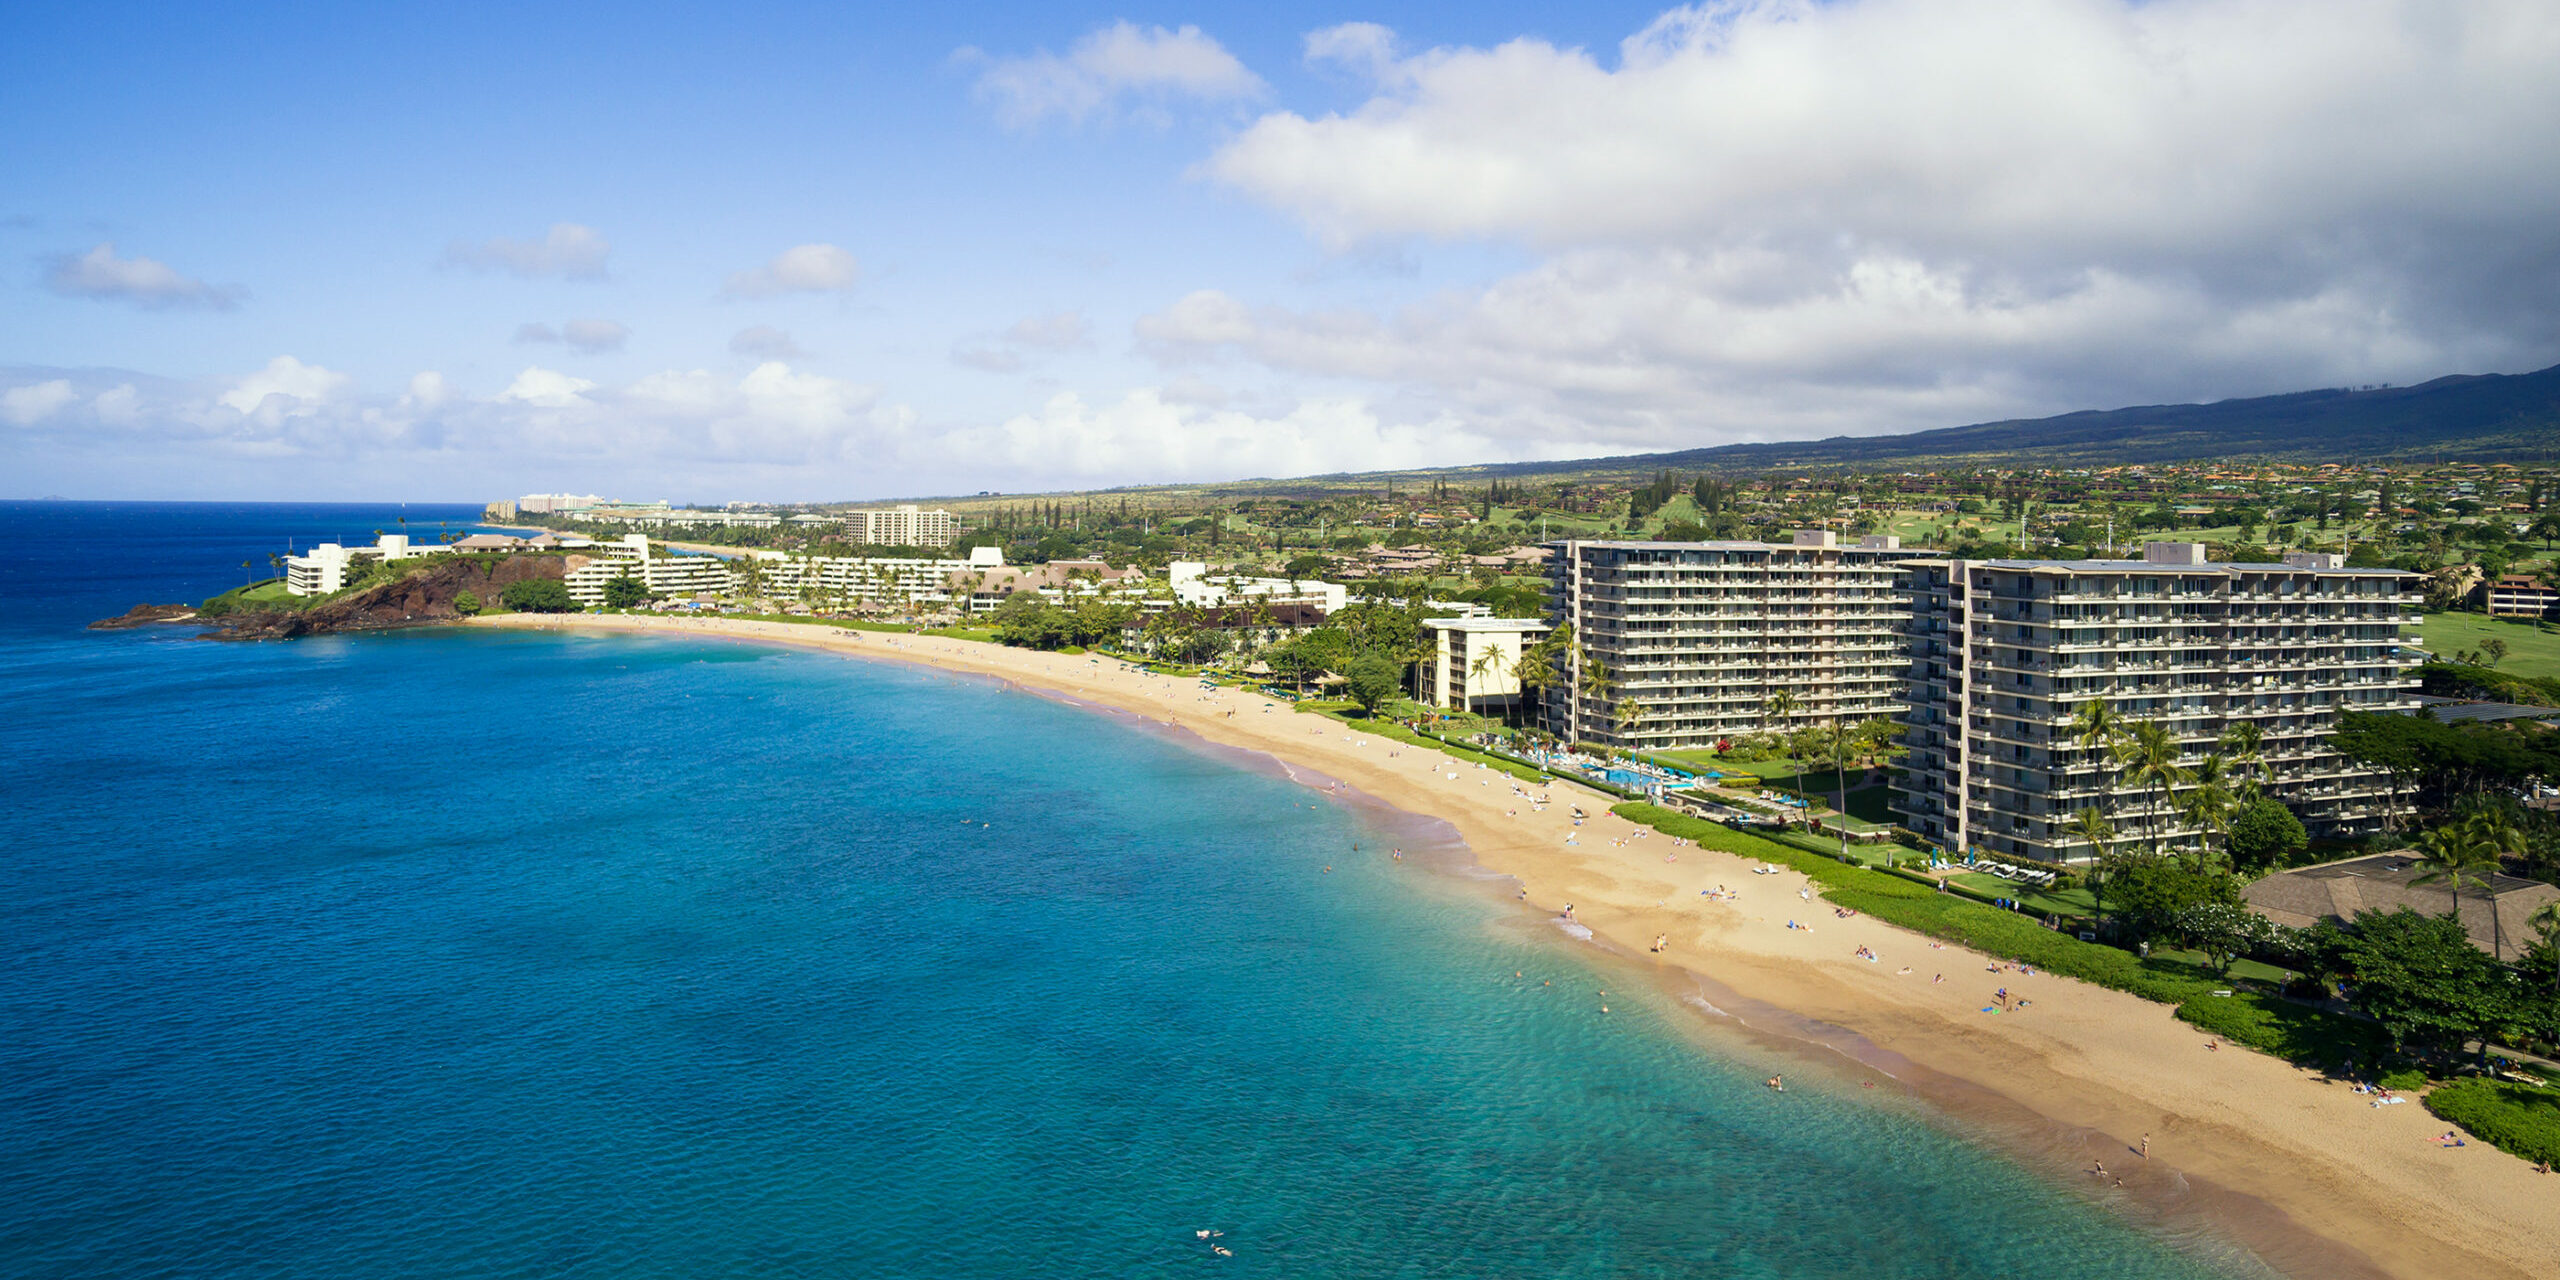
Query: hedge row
<point x="2519" y="1119"/>
<point x="2294" y="1032"/>
<point x="1392" y="731"/>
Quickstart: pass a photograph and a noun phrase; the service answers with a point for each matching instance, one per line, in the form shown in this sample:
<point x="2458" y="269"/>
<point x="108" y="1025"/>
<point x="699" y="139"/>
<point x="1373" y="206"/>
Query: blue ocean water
<point x="442" y="954"/>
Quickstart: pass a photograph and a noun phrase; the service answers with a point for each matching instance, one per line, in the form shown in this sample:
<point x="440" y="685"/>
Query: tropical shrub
<point x="2519" y="1119"/>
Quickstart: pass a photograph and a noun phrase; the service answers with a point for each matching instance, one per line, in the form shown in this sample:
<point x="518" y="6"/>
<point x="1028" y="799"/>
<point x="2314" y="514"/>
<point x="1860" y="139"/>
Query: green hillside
<point x="2468" y="418"/>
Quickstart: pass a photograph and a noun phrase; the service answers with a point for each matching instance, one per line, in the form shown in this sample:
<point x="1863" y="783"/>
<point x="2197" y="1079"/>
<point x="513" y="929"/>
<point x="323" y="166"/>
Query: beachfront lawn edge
<point x="2520" y="1119"/>
<point x="2295" y="1033"/>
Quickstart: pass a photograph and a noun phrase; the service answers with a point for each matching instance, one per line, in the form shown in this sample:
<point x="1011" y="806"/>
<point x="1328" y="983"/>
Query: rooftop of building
<point x="2451" y="710"/>
<point x="2210" y="566"/>
<point x="2188" y="557"/>
<point x="1872" y="543"/>
<point x="1488" y="624"/>
<point x="2495" y="919"/>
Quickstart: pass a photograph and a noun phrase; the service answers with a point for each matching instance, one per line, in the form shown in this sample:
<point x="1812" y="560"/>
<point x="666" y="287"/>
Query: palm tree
<point x="2150" y="757"/>
<point x="2091" y="825"/>
<point x="2209" y="806"/>
<point x="2097" y="725"/>
<point x="1778" y="706"/>
<point x="1537" y="667"/>
<point x="1591" y="680"/>
<point x="1488" y="666"/>
<point x="2546" y="922"/>
<point x="2245" y="743"/>
<point x="2459" y="854"/>
<point x="1629" y="713"/>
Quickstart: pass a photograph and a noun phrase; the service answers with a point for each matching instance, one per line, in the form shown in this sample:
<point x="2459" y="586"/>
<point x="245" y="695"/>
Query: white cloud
<point x="547" y="389"/>
<point x="144" y="282"/>
<point x="28" y="405"/>
<point x="428" y="391"/>
<point x="295" y="429"/>
<point x="764" y="342"/>
<point x="1365" y="47"/>
<point x="1783" y="218"/>
<point x="1149" y="435"/>
<point x="567" y="250"/>
<point x="808" y="268"/>
<point x="286" y="387"/>
<point x="1106" y="67"/>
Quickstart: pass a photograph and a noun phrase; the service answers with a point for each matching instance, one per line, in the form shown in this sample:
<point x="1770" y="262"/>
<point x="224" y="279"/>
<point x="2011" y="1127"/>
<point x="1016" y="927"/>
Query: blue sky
<point x="804" y="252"/>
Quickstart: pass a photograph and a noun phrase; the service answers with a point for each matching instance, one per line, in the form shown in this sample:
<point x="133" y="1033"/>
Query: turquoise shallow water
<point x="506" y="955"/>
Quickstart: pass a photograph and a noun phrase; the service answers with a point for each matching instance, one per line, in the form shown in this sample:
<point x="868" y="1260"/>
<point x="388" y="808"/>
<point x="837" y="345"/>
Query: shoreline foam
<point x="2294" y="1167"/>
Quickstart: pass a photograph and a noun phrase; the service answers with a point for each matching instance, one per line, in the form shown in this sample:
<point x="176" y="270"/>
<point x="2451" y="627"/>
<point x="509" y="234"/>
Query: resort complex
<point x="1473" y="664"/>
<point x="630" y="557"/>
<point x="2007" y="653"/>
<point x="1685" y="644"/>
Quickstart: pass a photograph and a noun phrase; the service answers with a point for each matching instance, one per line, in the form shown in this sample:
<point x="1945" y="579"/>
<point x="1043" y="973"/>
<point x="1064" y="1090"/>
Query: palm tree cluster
<point x="2206" y="792"/>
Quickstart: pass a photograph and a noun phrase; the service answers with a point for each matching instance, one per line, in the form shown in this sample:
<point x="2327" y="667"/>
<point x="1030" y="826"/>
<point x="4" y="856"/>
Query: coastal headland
<point x="2298" y="1167"/>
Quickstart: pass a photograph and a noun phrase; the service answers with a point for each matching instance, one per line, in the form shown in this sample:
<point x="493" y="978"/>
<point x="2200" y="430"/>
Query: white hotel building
<point x="666" y="575"/>
<point x="1699" y="635"/>
<point x="324" y="568"/>
<point x="2005" y="652"/>
<point x="901" y="526"/>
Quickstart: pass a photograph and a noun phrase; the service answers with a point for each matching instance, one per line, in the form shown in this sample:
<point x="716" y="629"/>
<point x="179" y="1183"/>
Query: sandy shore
<point x="2296" y="1167"/>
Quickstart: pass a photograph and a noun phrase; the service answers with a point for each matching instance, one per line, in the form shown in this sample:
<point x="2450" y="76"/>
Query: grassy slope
<point x="2531" y="650"/>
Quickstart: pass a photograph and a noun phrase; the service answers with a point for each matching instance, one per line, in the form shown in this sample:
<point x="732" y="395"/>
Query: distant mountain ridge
<point x="2464" y="418"/>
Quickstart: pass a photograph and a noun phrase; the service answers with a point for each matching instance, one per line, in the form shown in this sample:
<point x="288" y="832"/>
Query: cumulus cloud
<point x="1109" y="67"/>
<point x="285" y="388"/>
<point x="808" y="268"/>
<point x="546" y="389"/>
<point x="28" y="405"/>
<point x="1365" y="47"/>
<point x="568" y="251"/>
<point x="295" y="429"/>
<point x="1774" y="218"/>
<point x="764" y="342"/>
<point x="144" y="282"/>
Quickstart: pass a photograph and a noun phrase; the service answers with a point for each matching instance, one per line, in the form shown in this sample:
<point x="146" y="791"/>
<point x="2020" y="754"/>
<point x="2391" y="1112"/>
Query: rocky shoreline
<point x="424" y="596"/>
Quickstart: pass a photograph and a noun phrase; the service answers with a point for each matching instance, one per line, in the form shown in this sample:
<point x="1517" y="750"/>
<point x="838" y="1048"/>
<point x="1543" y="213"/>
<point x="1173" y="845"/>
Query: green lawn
<point x="1704" y="760"/>
<point x="2066" y="902"/>
<point x="2533" y="649"/>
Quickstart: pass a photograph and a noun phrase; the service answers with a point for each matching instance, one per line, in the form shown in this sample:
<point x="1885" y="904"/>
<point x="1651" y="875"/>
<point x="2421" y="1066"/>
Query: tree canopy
<point x="538" y="595"/>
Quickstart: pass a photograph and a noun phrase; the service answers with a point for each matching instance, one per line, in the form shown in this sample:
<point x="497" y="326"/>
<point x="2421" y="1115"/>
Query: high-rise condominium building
<point x="2006" y="652"/>
<point x="1684" y="643"/>
<point x="901" y="526"/>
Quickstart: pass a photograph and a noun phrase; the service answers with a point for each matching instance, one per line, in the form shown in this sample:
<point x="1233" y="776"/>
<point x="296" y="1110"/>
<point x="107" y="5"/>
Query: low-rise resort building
<point x="666" y="575"/>
<point x="323" y="569"/>
<point x="1473" y="663"/>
